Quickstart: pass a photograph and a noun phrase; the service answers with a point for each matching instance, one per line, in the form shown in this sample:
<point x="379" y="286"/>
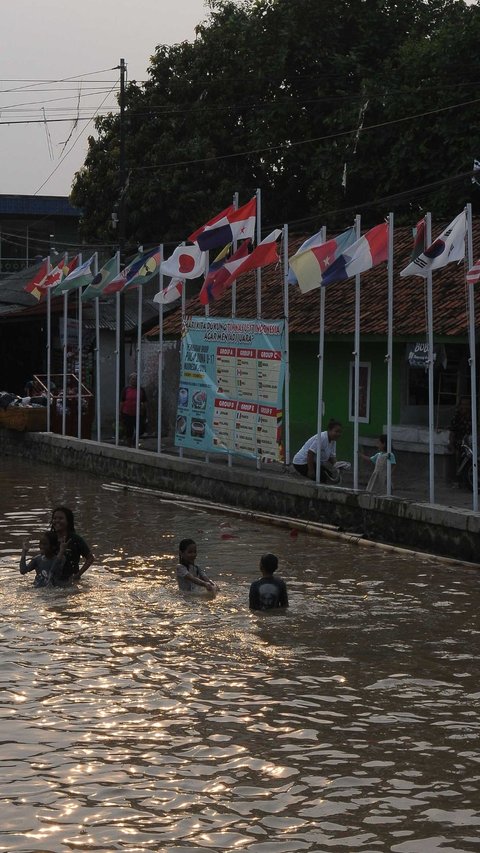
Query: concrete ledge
<point x="438" y="530"/>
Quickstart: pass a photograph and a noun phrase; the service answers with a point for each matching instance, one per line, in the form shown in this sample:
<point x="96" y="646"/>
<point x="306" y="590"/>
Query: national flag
<point x="312" y="242"/>
<point x="473" y="275"/>
<point x="185" y="262"/>
<point x="235" y="225"/>
<point x="314" y="257"/>
<point x="265" y="253"/>
<point x="55" y="276"/>
<point x="448" y="247"/>
<point x="143" y="268"/>
<point x="226" y="212"/>
<point x="365" y="253"/>
<point x="33" y="286"/>
<point x="170" y="293"/>
<point x="418" y="239"/>
<point x="213" y="286"/>
<point x="81" y="276"/>
<point x="101" y="279"/>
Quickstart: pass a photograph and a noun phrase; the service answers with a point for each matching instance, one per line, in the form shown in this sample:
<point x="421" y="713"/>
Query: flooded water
<point x="137" y="719"/>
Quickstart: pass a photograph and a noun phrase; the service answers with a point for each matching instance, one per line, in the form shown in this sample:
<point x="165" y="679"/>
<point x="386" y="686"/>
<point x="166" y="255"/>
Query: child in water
<point x="189" y="576"/>
<point x="48" y="564"/>
<point x="268" y="592"/>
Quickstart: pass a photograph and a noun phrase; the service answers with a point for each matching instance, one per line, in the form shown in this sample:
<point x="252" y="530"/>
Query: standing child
<point x="191" y="577"/>
<point x="268" y="592"/>
<point x="63" y="525"/>
<point x="378" y="479"/>
<point x="48" y="564"/>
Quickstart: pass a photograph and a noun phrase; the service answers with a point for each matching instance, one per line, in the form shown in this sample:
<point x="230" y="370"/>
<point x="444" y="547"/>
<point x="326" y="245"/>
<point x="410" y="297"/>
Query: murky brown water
<point x="135" y="719"/>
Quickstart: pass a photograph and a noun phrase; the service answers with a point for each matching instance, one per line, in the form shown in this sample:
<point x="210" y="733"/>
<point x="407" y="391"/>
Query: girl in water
<point x="189" y="576"/>
<point x="48" y="564"/>
<point x="64" y="526"/>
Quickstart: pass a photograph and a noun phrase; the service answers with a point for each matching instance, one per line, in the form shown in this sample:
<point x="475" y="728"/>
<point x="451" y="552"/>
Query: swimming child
<point x="63" y="525"/>
<point x="189" y="576"/>
<point x="378" y="479"/>
<point x="268" y="592"/>
<point x="48" y="564"/>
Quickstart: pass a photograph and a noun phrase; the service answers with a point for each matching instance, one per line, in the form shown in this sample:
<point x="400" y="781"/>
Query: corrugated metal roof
<point x="449" y="299"/>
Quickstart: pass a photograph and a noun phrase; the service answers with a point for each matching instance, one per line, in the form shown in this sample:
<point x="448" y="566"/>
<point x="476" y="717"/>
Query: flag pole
<point x="431" y="446"/>
<point x="80" y="357"/>
<point x="49" y="353"/>
<point x="321" y="348"/>
<point x="184" y="288"/>
<point x="118" y="338"/>
<point x="258" y="278"/>
<point x="234" y="283"/>
<point x="139" y="365"/>
<point x="356" y="355"/>
<point x="473" y="362"/>
<point x="286" y="312"/>
<point x="389" y="357"/>
<point x="160" y="357"/>
<point x="64" y="386"/>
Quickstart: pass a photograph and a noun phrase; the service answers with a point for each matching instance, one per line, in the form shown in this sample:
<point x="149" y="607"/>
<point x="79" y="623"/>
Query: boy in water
<point x="268" y="592"/>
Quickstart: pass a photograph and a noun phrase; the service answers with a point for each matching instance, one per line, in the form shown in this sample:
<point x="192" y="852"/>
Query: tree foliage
<point x="290" y="96"/>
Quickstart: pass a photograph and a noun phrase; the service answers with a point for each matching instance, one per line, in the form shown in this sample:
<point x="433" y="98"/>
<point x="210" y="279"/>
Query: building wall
<point x="337" y="359"/>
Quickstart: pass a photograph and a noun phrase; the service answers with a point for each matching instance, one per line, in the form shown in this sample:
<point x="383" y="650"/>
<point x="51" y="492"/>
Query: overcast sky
<point x="49" y="40"/>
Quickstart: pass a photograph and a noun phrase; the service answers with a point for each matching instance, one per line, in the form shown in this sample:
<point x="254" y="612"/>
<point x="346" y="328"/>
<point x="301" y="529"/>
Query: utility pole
<point x="122" y="211"/>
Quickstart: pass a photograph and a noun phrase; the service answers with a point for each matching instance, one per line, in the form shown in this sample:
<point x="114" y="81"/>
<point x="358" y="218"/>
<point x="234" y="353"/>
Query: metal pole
<point x="180" y="449"/>
<point x="98" y="407"/>
<point x="122" y="213"/>
<point x="431" y="404"/>
<point x="286" y="311"/>
<point x="356" y="355"/>
<point x="234" y="283"/>
<point x="321" y="348"/>
<point x="258" y="272"/>
<point x="64" y="387"/>
<point x="118" y="342"/>
<point x="139" y="366"/>
<point x="49" y="350"/>
<point x="80" y="358"/>
<point x="473" y="362"/>
<point x="389" y="357"/>
<point x="160" y="360"/>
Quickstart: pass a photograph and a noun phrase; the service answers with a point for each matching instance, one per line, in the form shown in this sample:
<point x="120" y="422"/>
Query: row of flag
<point x="317" y="263"/>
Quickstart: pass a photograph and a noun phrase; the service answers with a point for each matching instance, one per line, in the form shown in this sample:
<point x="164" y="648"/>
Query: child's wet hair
<point x="52" y="538"/>
<point x="184" y="544"/>
<point x="269" y="562"/>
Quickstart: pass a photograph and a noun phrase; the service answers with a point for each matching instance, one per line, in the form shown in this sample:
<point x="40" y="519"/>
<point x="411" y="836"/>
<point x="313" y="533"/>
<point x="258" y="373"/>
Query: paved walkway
<point x="446" y="494"/>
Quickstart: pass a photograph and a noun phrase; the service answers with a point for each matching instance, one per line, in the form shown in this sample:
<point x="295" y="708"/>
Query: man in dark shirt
<point x="268" y="592"/>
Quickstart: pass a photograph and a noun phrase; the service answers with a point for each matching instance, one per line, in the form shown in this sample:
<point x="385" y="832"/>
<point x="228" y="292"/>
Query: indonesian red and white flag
<point x="265" y="253"/>
<point x="171" y="293"/>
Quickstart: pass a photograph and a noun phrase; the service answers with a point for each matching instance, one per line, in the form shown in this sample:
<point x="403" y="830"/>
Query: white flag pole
<point x="160" y="357"/>
<point x="356" y="355"/>
<point x="321" y="349"/>
<point x="80" y="358"/>
<point x="258" y="278"/>
<point x="473" y="362"/>
<point x="65" y="342"/>
<point x="139" y="366"/>
<point x="389" y="357"/>
<point x="49" y="349"/>
<point x="118" y="390"/>
<point x="286" y="312"/>
<point x="184" y="288"/>
<point x="234" y="283"/>
<point x="431" y="365"/>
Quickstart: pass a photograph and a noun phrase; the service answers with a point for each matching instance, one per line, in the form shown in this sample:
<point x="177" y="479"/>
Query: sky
<point x="50" y="40"/>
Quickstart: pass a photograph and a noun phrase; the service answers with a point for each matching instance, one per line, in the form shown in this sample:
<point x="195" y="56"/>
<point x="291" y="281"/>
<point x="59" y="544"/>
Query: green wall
<point x="338" y="355"/>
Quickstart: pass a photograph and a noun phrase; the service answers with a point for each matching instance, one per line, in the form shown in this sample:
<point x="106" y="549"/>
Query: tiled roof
<point x="449" y="298"/>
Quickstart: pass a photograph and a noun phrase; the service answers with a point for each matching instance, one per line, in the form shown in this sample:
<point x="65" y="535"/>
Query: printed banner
<point x="231" y="387"/>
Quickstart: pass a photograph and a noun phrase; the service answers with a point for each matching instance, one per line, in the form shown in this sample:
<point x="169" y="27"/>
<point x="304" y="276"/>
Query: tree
<point x="273" y="94"/>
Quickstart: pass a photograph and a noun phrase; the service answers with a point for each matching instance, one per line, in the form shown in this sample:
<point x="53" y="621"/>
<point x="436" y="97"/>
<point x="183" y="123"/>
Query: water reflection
<point x="134" y="718"/>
